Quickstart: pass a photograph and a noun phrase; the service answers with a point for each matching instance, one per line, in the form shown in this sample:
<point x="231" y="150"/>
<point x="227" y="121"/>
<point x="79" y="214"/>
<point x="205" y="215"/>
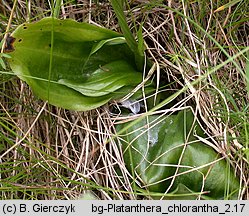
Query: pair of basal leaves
<point x="73" y="65"/>
<point x="78" y="66"/>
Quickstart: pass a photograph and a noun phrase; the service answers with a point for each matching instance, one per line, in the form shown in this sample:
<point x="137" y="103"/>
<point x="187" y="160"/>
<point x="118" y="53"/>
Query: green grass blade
<point x="118" y="8"/>
<point x="225" y="6"/>
<point x="57" y="8"/>
<point x="247" y="73"/>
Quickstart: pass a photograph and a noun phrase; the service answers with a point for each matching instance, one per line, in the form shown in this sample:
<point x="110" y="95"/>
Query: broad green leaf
<point x="73" y="65"/>
<point x="106" y="79"/>
<point x="112" y="41"/>
<point x="183" y="193"/>
<point x="153" y="150"/>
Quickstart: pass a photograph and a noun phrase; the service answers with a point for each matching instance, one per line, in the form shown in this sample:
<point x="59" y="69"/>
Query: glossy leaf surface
<point x="73" y="65"/>
<point x="154" y="149"/>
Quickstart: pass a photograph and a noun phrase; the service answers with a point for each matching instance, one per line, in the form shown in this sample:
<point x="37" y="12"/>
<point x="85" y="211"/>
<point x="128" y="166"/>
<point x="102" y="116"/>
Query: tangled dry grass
<point x="51" y="153"/>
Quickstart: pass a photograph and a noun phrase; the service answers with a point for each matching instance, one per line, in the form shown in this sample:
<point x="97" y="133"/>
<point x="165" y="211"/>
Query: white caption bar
<point x="123" y="208"/>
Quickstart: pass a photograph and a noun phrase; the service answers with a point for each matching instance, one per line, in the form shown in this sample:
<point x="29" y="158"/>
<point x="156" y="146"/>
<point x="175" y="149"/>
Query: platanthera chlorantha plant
<point x="73" y="65"/>
<point x="80" y="67"/>
<point x="164" y="155"/>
